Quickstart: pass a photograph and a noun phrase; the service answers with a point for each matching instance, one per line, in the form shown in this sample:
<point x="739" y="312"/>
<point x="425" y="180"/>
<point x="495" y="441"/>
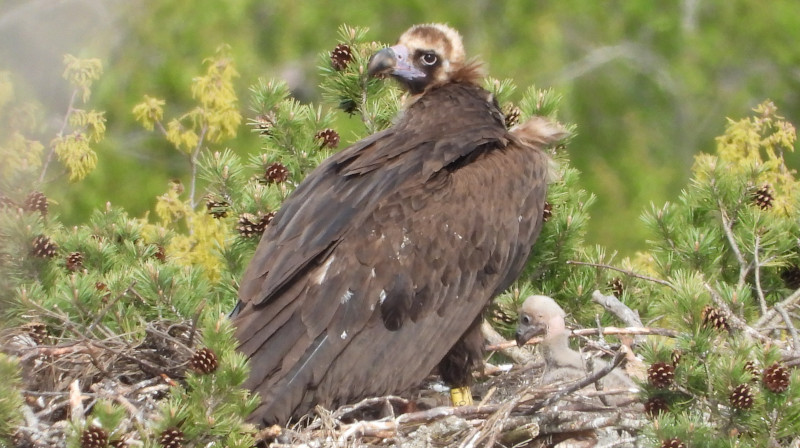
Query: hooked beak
<point x="525" y="333"/>
<point x="393" y="61"/>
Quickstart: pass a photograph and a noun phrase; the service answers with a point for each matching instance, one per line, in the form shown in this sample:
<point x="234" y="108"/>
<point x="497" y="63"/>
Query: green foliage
<point x="10" y="398"/>
<point x="724" y="253"/>
<point x="72" y="145"/>
<point x="210" y="407"/>
<point x="712" y="248"/>
<point x="108" y="286"/>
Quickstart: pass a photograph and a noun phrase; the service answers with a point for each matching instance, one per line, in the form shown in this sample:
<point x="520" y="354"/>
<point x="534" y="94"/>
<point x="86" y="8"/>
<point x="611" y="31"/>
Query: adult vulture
<point x="379" y="264"/>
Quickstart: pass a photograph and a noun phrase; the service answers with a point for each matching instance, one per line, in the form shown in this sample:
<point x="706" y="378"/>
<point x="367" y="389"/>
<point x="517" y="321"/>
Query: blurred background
<point x="649" y="84"/>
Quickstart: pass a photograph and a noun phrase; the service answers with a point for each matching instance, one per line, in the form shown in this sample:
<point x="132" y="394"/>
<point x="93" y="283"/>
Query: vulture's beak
<point x="525" y="333"/>
<point x="393" y="61"/>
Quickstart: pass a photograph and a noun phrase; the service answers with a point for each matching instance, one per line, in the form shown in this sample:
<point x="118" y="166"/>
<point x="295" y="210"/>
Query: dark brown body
<point x="378" y="266"/>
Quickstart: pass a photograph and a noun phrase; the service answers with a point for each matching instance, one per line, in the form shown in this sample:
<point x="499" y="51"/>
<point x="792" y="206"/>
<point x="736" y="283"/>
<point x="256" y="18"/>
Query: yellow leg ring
<point x="461" y="396"/>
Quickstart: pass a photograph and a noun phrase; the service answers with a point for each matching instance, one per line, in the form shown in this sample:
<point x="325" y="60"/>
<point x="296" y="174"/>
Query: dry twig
<point x="595" y="331"/>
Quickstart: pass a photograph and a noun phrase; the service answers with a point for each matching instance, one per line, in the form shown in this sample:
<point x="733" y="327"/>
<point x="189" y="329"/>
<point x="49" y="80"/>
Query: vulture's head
<point x="539" y="315"/>
<point x="425" y="56"/>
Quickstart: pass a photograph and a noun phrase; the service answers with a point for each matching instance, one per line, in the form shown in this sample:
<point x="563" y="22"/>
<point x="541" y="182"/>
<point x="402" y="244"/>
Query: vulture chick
<point x="377" y="267"/>
<point x="542" y="315"/>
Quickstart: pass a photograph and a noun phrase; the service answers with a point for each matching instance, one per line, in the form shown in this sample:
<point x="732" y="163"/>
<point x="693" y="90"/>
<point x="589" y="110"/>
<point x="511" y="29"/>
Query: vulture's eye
<point x="525" y="320"/>
<point x="428" y="59"/>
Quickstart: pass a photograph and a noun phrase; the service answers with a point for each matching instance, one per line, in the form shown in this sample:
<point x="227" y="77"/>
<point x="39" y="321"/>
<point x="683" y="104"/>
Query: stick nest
<point x="64" y="377"/>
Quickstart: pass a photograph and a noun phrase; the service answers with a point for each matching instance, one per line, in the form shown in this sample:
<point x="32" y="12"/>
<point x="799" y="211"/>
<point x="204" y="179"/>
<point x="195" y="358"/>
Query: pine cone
<point x="763" y="197"/>
<point x="328" y="138"/>
<point x="94" y="437"/>
<point x="44" y="247"/>
<point x="616" y="287"/>
<point x="36" y="201"/>
<point x="204" y="361"/>
<point x="741" y="397"/>
<point x="341" y="56"/>
<point x="160" y="253"/>
<point x="660" y="374"/>
<point x="251" y="225"/>
<point x="655" y="406"/>
<point x="171" y="438"/>
<point x="776" y="378"/>
<point x="715" y="318"/>
<point x="276" y="173"/>
<point x="267" y="219"/>
<point x="37" y="331"/>
<point x="6" y="202"/>
<point x="752" y="368"/>
<point x="75" y="261"/>
<point x="547" y="211"/>
<point x="265" y="123"/>
<point x="676" y="357"/>
<point x="791" y="276"/>
<point x="217" y="209"/>
<point x="500" y="315"/>
<point x="673" y="443"/>
<point x="512" y="114"/>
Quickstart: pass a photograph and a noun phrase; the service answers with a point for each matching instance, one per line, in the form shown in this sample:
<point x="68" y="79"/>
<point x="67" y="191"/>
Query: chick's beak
<point x="393" y="61"/>
<point x="520" y="337"/>
<point x="525" y="333"/>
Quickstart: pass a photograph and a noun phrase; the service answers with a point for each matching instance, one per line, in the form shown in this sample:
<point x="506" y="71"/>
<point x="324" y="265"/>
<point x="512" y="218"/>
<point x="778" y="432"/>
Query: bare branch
<point x="788" y="320"/>
<point x="757" y="270"/>
<point x="49" y="159"/>
<point x="594" y="331"/>
<point x="612" y="304"/>
<point x="727" y="226"/>
<point x="785" y="303"/>
<point x="624" y="271"/>
<point x="193" y="161"/>
<point x="499" y="343"/>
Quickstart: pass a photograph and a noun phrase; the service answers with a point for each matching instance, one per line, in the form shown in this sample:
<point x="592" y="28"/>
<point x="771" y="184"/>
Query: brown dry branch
<point x="631" y="331"/>
<point x="63" y="381"/>
<point x="498" y="343"/>
<point x="530" y="412"/>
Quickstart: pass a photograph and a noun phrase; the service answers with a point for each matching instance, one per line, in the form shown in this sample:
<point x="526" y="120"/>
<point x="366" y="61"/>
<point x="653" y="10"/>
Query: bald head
<point x="425" y="56"/>
<point x="539" y="315"/>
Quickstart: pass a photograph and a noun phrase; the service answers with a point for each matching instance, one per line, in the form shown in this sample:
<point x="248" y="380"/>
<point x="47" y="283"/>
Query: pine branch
<point x="616" y="307"/>
<point x="762" y="302"/>
<point x="789" y="325"/>
<point x="736" y="321"/>
<point x="624" y="271"/>
<point x="727" y="227"/>
<point x="785" y="303"/>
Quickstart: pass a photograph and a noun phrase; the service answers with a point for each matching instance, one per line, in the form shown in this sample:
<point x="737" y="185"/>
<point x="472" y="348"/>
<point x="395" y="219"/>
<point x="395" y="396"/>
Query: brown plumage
<point x="542" y="315"/>
<point x="377" y="267"/>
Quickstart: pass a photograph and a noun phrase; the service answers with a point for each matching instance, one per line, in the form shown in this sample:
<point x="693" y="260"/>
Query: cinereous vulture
<point x="377" y="267"/>
<point x="542" y="315"/>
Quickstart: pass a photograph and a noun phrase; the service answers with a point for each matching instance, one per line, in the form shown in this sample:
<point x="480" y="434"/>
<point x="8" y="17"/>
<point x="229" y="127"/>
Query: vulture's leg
<point x="457" y="366"/>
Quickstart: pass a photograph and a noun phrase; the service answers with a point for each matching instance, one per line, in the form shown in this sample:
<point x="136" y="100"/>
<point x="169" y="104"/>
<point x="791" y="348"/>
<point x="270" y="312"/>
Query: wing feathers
<point x="380" y="261"/>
